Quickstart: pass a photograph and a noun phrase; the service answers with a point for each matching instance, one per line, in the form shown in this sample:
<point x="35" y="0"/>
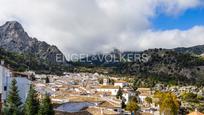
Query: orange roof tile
<point x="195" y="113"/>
<point x="109" y="87"/>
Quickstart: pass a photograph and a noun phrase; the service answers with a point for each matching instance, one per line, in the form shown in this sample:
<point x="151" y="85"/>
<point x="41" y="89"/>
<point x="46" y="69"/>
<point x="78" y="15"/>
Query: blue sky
<point x="185" y="20"/>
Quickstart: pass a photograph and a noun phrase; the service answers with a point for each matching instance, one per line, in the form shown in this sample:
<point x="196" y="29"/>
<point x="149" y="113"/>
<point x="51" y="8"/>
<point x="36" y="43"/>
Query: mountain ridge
<point x="197" y="50"/>
<point x="169" y="66"/>
<point x="13" y="38"/>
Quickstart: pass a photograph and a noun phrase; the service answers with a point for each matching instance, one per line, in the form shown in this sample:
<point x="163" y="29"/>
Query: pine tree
<point x="123" y="105"/>
<point x="13" y="101"/>
<point x="32" y="103"/>
<point x="47" y="80"/>
<point x="119" y="94"/>
<point x="46" y="107"/>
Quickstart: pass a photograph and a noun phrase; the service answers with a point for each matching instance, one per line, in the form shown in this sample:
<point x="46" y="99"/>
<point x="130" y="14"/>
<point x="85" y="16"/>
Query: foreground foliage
<point x="132" y="106"/>
<point x="13" y="105"/>
<point x="46" y="107"/>
<point x="168" y="103"/>
<point x="32" y="103"/>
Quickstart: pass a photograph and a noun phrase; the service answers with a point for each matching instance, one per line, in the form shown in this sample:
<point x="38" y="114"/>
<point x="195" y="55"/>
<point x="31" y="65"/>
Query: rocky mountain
<point x="13" y="38"/>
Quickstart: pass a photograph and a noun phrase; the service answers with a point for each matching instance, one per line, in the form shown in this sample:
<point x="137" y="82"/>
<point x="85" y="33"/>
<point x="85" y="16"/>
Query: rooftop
<point x="109" y="87"/>
<point x="144" y="89"/>
<point x="196" y="113"/>
<point x="109" y="105"/>
<point x="121" y="81"/>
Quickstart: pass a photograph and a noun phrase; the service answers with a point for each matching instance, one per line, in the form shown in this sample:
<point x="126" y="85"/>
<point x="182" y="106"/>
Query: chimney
<point x="196" y="110"/>
<point x="2" y="62"/>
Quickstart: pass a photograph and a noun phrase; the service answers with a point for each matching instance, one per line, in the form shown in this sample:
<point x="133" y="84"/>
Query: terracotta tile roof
<point x="84" y="99"/>
<point x="146" y="113"/>
<point x="195" y="113"/>
<point x="102" y="93"/>
<point x="107" y="104"/>
<point x="143" y="89"/>
<point x="145" y="94"/>
<point x="109" y="87"/>
<point x="100" y="111"/>
<point x="120" y="81"/>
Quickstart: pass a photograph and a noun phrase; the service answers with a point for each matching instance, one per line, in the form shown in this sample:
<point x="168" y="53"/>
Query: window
<point x="5" y="88"/>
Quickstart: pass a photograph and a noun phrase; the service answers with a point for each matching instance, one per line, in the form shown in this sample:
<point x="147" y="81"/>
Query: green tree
<point x="119" y="94"/>
<point x="13" y="105"/>
<point x="168" y="103"/>
<point x="135" y="84"/>
<point x="46" y="108"/>
<point x="111" y="81"/>
<point x="123" y="105"/>
<point x="134" y="98"/>
<point x="47" y="80"/>
<point x="148" y="100"/>
<point x="189" y="97"/>
<point x="32" y="103"/>
<point x="132" y="106"/>
<point x="100" y="80"/>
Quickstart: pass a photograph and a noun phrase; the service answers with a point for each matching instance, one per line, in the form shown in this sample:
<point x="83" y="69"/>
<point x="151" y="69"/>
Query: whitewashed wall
<point x="23" y="84"/>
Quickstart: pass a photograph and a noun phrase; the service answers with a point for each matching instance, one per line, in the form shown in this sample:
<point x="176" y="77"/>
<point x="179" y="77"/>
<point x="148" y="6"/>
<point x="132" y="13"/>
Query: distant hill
<point x="171" y="66"/>
<point x="198" y="50"/>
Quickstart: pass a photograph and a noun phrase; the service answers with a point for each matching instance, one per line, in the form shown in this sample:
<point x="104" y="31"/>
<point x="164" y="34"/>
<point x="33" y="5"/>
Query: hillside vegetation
<point x="23" y="62"/>
<point x="163" y="66"/>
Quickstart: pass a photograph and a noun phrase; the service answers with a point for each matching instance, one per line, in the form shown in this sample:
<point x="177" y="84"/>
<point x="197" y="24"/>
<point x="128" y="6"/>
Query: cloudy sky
<point x="90" y="26"/>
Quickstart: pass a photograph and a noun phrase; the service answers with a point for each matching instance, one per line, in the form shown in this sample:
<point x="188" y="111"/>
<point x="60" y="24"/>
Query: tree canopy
<point x="148" y="100"/>
<point x="119" y="94"/>
<point x="168" y="103"/>
<point x="132" y="106"/>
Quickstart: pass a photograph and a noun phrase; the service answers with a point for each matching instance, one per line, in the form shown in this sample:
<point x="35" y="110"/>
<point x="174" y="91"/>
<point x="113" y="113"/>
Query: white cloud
<point x="172" y="38"/>
<point x="90" y="26"/>
<point x="174" y="7"/>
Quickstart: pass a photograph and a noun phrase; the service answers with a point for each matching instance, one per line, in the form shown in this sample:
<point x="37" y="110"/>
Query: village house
<point x="113" y="90"/>
<point x="121" y="83"/>
<point x="108" y="88"/>
<point x="127" y="95"/>
<point x="6" y="76"/>
<point x="105" y="81"/>
<point x="143" y="93"/>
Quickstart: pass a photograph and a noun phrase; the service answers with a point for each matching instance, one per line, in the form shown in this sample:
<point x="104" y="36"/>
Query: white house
<point x="108" y="88"/>
<point x="127" y="93"/>
<point x="121" y="83"/>
<point x="143" y="93"/>
<point x="105" y="81"/>
<point x="6" y="76"/>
